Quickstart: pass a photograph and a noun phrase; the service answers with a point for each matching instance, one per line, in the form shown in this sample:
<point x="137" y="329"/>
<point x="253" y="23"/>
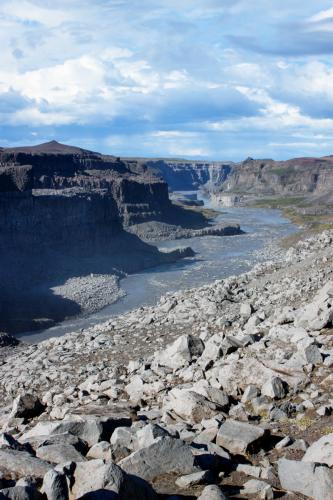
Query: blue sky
<point x="215" y="79"/>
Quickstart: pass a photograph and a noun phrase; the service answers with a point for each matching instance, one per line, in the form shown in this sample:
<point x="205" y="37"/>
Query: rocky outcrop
<point x="296" y="177"/>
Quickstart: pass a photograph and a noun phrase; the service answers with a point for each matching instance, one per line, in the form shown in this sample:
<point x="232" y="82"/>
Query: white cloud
<point x="322" y="16"/>
<point x="29" y="11"/>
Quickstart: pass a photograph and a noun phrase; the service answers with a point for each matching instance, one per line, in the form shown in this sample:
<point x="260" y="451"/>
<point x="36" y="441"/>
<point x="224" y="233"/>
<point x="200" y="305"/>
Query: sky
<point x="201" y="79"/>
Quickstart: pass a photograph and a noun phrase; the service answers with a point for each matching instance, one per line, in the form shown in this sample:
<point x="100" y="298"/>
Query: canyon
<point x="68" y="213"/>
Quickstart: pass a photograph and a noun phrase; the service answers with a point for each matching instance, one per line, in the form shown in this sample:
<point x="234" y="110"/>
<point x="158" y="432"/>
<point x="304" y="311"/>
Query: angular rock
<point x="181" y="352"/>
<point x="165" y="455"/>
<point x="307" y="478"/>
<point x="55" y="486"/>
<point x="97" y="480"/>
<point x="212" y="492"/>
<point x="21" y="463"/>
<point x="65" y="438"/>
<point x="313" y="355"/>
<point x="321" y="451"/>
<point x="95" y="475"/>
<point x="100" y="450"/>
<point x="59" y="453"/>
<point x="89" y="428"/>
<point x="274" y="388"/>
<point x="239" y="437"/>
<point x="189" y="405"/>
<point x="250" y="392"/>
<point x="190" y="480"/>
<point x="26" y="406"/>
<point x="147" y="435"/>
<point x="253" y="487"/>
<point x="21" y="493"/>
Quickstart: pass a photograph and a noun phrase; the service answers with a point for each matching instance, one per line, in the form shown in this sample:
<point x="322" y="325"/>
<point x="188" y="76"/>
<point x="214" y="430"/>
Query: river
<point x="216" y="257"/>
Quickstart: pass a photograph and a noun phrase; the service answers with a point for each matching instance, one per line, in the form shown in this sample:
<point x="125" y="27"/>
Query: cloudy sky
<point x="215" y="79"/>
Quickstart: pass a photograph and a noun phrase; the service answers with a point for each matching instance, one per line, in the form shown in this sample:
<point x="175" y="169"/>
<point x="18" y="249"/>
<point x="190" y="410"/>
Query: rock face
<point x="299" y="176"/>
<point x="190" y="175"/>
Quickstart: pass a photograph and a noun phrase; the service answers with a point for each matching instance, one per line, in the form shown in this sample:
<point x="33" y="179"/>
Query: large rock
<point x="165" y="455"/>
<point x="148" y="434"/>
<point x="65" y="438"/>
<point x="235" y="375"/>
<point x="319" y="313"/>
<point x="239" y="437"/>
<point x="27" y="406"/>
<point x="95" y="479"/>
<point x="181" y="352"/>
<point x="212" y="492"/>
<point x="321" y="451"/>
<point x="21" y="463"/>
<point x="55" y="486"/>
<point x="189" y="405"/>
<point x="59" y="453"/>
<point x="96" y="475"/>
<point x="307" y="478"/>
<point x="91" y="429"/>
<point x="274" y="388"/>
<point x="21" y="493"/>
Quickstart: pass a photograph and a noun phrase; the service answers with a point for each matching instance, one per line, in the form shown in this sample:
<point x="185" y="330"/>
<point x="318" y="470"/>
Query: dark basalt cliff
<point x="64" y="212"/>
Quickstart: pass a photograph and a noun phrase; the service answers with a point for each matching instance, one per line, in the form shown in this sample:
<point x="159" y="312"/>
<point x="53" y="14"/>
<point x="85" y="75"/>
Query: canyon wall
<point x="182" y="175"/>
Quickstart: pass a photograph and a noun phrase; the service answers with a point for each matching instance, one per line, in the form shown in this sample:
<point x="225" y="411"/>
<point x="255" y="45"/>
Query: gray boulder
<point x="95" y="475"/>
<point x="165" y="455"/>
<point x="21" y="463"/>
<point x="21" y="493"/>
<point x="26" y="406"/>
<point x="181" y="352"/>
<point x="189" y="405"/>
<point x="307" y="478"/>
<point x="321" y="451"/>
<point x="212" y="492"/>
<point x="239" y="437"/>
<point x="148" y="434"/>
<point x="97" y="480"/>
<point x="55" y="486"/>
<point x="91" y="429"/>
<point x="59" y="453"/>
<point x="274" y="388"/>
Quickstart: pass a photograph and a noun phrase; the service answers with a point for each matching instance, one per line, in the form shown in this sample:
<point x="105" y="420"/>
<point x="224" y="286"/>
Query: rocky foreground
<point x="216" y="392"/>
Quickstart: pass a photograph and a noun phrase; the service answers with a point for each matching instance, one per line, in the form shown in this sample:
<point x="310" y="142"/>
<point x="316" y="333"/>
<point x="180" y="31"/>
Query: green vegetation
<point x="208" y="213"/>
<point x="278" y="202"/>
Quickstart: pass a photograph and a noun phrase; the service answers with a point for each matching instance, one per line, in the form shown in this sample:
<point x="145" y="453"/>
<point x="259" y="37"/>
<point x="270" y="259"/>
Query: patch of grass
<point x="280" y="171"/>
<point x="327" y="430"/>
<point x="304" y="423"/>
<point x="278" y="202"/>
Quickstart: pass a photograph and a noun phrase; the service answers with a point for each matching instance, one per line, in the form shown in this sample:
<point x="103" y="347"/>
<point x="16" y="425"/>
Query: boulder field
<point x="223" y="391"/>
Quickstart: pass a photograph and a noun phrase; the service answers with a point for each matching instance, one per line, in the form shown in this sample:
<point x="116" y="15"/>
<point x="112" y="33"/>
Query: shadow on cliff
<point x="27" y="277"/>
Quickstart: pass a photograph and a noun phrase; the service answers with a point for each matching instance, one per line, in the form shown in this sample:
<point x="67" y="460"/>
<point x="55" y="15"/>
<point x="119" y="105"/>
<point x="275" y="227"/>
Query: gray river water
<point x="216" y="257"/>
